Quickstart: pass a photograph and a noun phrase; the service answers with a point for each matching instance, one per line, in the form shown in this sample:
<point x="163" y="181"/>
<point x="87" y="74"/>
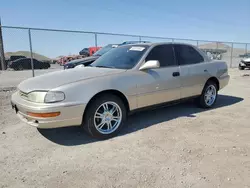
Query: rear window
<point x="186" y="55"/>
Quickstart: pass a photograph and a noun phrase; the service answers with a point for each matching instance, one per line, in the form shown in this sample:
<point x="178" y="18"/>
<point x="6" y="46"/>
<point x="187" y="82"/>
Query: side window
<point x="186" y="55"/>
<point x="164" y="54"/>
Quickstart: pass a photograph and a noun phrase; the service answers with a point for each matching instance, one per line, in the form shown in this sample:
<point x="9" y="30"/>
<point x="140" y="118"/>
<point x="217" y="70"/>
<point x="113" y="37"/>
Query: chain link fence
<point x="46" y="50"/>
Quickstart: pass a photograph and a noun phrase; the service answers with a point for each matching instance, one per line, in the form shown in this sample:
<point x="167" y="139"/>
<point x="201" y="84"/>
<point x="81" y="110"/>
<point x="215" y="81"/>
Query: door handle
<point x="176" y="74"/>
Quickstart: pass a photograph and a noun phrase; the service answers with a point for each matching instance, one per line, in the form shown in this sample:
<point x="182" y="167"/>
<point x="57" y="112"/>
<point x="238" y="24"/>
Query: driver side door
<point x="162" y="84"/>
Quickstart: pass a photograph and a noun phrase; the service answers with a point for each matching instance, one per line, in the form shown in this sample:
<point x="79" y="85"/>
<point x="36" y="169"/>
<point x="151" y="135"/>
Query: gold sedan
<point x="131" y="77"/>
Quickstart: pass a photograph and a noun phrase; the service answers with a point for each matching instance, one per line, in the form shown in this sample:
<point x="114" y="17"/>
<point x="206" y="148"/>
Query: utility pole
<point x="1" y="48"/>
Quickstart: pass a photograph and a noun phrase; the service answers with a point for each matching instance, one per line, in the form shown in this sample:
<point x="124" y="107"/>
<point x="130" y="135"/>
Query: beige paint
<point x="141" y="87"/>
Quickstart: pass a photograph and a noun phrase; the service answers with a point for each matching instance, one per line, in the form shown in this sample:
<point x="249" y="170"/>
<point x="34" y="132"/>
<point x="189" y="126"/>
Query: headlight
<point x="242" y="64"/>
<point x="36" y="96"/>
<point x="54" y="96"/>
<point x="45" y="97"/>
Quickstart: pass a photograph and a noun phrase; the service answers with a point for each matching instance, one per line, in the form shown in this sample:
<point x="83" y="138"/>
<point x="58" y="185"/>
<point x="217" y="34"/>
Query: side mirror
<point x="151" y="64"/>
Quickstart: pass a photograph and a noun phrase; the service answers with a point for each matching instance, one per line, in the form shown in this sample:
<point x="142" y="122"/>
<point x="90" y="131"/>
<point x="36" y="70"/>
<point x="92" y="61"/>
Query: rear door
<point x="38" y="64"/>
<point x="26" y="63"/>
<point x="193" y="73"/>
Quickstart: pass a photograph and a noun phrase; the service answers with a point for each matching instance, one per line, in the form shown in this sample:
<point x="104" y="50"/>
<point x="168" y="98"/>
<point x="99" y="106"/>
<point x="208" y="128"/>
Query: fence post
<point x="246" y="48"/>
<point x="139" y="38"/>
<point x="172" y="40"/>
<point x="231" y="58"/>
<point x="2" y="48"/>
<point x="197" y="43"/>
<point x="31" y="54"/>
<point x="95" y="40"/>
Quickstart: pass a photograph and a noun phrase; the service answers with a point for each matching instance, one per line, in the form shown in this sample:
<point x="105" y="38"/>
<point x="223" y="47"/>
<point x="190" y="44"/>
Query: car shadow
<point x="70" y="136"/>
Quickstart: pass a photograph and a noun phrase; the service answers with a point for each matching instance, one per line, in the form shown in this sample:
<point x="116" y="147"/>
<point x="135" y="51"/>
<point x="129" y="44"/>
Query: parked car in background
<point x="245" y="63"/>
<point x="89" y="51"/>
<point x="25" y="63"/>
<point x="88" y="60"/>
<point x="128" y="78"/>
<point x="12" y="58"/>
<point x="84" y="61"/>
<point x="63" y="60"/>
<point x="85" y="52"/>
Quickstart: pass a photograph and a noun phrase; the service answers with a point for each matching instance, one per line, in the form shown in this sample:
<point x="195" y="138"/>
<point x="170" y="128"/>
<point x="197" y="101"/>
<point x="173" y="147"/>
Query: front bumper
<point x="70" y="113"/>
<point x="244" y="64"/>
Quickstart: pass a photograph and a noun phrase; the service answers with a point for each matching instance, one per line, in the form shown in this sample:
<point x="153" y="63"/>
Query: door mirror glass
<point x="151" y="64"/>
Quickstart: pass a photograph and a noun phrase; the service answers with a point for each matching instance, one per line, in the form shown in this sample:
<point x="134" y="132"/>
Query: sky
<point x="222" y="20"/>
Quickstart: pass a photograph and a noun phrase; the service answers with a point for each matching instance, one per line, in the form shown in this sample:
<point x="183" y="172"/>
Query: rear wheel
<point x="209" y="95"/>
<point x="105" y="116"/>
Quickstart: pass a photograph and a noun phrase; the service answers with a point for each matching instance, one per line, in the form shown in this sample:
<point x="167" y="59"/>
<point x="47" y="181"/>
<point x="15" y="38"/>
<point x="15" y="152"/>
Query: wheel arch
<point x="215" y="80"/>
<point x="106" y="92"/>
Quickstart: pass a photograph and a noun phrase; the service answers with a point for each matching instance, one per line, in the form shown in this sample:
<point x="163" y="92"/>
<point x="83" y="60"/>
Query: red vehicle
<point x="92" y="50"/>
<point x="89" y="51"/>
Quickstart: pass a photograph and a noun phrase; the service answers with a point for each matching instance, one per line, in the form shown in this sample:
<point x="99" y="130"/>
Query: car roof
<point x="24" y="59"/>
<point x="21" y="59"/>
<point x="155" y="44"/>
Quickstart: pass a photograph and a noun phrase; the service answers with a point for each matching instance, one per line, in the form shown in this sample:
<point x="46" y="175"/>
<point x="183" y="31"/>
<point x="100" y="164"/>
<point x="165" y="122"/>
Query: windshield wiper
<point x="102" y="66"/>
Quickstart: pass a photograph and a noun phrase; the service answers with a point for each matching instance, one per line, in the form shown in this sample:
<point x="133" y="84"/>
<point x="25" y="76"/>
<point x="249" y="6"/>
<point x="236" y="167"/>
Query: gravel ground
<point x="179" y="146"/>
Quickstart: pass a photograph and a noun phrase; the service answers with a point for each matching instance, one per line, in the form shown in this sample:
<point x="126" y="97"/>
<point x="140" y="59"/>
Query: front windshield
<point x="103" y="50"/>
<point x="125" y="57"/>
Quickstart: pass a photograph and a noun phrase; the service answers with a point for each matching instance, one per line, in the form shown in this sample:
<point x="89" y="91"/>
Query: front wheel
<point x="20" y="67"/>
<point x="241" y="68"/>
<point x="105" y="116"/>
<point x="209" y="95"/>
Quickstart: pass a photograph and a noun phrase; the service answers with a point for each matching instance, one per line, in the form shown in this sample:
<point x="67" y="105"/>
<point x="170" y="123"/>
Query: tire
<point x="20" y="67"/>
<point x="91" y="124"/>
<point x="202" y="102"/>
<point x="241" y="68"/>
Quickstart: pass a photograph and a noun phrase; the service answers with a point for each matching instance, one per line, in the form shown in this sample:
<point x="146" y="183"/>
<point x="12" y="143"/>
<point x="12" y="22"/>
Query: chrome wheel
<point x="108" y="117"/>
<point x="210" y="95"/>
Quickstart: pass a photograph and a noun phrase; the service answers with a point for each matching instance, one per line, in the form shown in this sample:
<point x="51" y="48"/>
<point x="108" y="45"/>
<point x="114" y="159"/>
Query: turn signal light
<point x="44" y="115"/>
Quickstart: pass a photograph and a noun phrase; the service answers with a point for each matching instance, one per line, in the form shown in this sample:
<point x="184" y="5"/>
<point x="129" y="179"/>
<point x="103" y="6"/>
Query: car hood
<point x="246" y="60"/>
<point x="55" y="79"/>
<point x="84" y="60"/>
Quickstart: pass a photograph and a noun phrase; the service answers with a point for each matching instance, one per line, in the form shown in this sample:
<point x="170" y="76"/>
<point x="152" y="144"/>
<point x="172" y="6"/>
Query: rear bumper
<point x="224" y="81"/>
<point x="70" y="114"/>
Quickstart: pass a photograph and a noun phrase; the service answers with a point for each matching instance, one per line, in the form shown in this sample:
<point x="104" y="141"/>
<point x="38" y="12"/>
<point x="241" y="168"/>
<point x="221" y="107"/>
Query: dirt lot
<point x="179" y="146"/>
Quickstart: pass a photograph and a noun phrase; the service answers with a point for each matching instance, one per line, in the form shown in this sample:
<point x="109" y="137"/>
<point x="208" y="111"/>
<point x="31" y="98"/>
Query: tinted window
<point x="124" y="57"/>
<point x="187" y="55"/>
<point x="164" y="54"/>
<point x="25" y="61"/>
<point x="35" y="61"/>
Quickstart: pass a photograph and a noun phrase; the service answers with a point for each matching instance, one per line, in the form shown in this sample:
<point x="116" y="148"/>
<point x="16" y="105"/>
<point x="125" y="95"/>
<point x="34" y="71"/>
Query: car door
<point x="37" y="64"/>
<point x="26" y="63"/>
<point x="162" y="84"/>
<point x="193" y="73"/>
